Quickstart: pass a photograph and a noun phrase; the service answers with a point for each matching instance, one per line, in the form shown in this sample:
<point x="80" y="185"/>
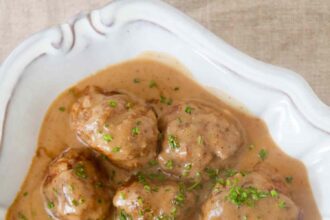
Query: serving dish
<point x="52" y="60"/>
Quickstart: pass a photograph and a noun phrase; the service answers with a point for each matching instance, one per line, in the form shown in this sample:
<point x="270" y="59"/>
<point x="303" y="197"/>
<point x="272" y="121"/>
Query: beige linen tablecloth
<point x="291" y="33"/>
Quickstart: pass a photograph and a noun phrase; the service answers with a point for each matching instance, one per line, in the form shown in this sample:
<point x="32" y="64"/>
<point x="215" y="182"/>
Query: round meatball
<point x="121" y="127"/>
<point x="74" y="187"/>
<point x="149" y="201"/>
<point x="194" y="135"/>
<point x="248" y="197"/>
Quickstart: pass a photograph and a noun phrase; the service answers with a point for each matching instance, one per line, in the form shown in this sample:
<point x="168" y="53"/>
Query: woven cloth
<point x="294" y="34"/>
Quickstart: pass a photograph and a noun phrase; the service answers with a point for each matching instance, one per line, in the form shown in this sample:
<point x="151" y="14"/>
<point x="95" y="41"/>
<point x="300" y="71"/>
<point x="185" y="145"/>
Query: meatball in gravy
<point x="195" y="134"/>
<point x="74" y="187"/>
<point x="251" y="196"/>
<point x="121" y="127"/>
<point x="150" y="200"/>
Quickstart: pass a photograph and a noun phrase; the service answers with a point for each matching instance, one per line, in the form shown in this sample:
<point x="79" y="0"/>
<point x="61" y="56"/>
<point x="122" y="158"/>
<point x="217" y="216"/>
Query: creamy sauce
<point x="134" y="76"/>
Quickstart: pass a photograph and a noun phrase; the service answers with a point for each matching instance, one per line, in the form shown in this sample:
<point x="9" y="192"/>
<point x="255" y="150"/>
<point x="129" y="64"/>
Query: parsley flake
<point x="188" y="110"/>
<point x="107" y="137"/>
<point x="113" y="103"/>
<point x="173" y="142"/>
<point x="263" y="154"/>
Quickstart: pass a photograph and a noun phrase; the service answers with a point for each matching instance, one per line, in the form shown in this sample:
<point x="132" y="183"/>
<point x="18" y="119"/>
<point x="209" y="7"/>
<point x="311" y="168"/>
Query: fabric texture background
<point x="294" y="34"/>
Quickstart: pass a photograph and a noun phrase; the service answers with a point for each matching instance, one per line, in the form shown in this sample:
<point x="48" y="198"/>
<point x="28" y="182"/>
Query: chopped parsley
<point x="116" y="149"/>
<point x="288" y="179"/>
<point x="169" y="164"/>
<point x="230" y="172"/>
<point x="188" y="110"/>
<point x="25" y="194"/>
<point x="135" y="131"/>
<point x="263" y="154"/>
<point x="80" y="171"/>
<point x="61" y="109"/>
<point x="21" y="216"/>
<point x="153" y="163"/>
<point x="179" y="198"/>
<point x="124" y="216"/>
<point x="239" y="195"/>
<point x="129" y="105"/>
<point x="186" y="169"/>
<point x="164" y="100"/>
<point x="172" y="140"/>
<point x="200" y="140"/>
<point x="107" y="137"/>
<point x="75" y="202"/>
<point x="212" y="173"/>
<point x="187" y="166"/>
<point x="142" y="179"/>
<point x="136" y="80"/>
<point x="273" y="193"/>
<point x="50" y="205"/>
<point x="195" y="185"/>
<point x="282" y="204"/>
<point x="140" y="200"/>
<point x="122" y="195"/>
<point x="113" y="103"/>
<point x="152" y="84"/>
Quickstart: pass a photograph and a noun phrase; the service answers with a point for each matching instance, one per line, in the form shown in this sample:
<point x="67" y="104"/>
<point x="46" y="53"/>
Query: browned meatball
<point x="121" y="127"/>
<point x="193" y="135"/>
<point x="151" y="201"/>
<point x="75" y="189"/>
<point x="248" y="197"/>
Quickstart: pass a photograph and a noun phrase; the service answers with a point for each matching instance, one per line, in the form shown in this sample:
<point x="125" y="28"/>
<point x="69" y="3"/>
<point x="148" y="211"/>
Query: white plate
<point x="52" y="60"/>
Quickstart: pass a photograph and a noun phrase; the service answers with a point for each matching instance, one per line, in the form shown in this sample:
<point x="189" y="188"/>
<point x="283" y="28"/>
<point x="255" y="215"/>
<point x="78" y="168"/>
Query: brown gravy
<point x="56" y="134"/>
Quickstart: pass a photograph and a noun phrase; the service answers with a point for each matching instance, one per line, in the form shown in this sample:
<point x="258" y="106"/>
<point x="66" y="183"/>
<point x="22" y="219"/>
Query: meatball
<point x="195" y="134"/>
<point x="74" y="187"/>
<point x="248" y="197"/>
<point x="149" y="201"/>
<point x="121" y="127"/>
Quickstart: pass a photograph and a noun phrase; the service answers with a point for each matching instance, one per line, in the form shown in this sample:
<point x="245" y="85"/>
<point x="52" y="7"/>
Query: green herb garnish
<point x="136" y="80"/>
<point x="188" y="110"/>
<point x="169" y="164"/>
<point x="80" y="171"/>
<point x="172" y="140"/>
<point x="152" y="84"/>
<point x="124" y="216"/>
<point x="282" y="204"/>
<point x="288" y="179"/>
<point x="135" y="131"/>
<point x="153" y="163"/>
<point x="164" y="100"/>
<point x="263" y="154"/>
<point x="107" y="137"/>
<point x="75" y="202"/>
<point x="61" y="109"/>
<point x="112" y="103"/>
<point x="50" y="205"/>
<point x="212" y="173"/>
<point x="21" y="216"/>
<point x="245" y="195"/>
<point x="200" y="140"/>
<point x="273" y="193"/>
<point x="116" y="149"/>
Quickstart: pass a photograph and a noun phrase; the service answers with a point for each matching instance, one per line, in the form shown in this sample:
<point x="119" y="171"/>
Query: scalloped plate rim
<point x="50" y="41"/>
